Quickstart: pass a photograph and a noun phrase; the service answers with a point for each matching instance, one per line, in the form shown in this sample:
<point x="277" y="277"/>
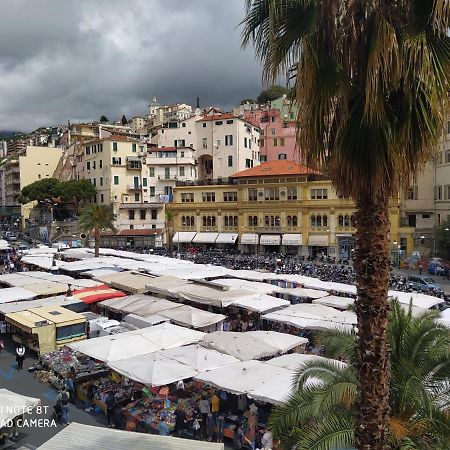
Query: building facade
<point x="426" y="204"/>
<point x="117" y="167"/>
<point x="277" y="206"/>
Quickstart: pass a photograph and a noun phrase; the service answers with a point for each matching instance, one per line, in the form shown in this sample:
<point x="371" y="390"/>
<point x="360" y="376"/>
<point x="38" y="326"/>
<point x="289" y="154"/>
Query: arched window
<point x="341" y="220"/>
<point x="188" y="221"/>
<point x="282" y="156"/>
<point x="319" y="220"/>
<point x="294" y="221"/>
<point x="267" y="221"/>
<point x="192" y="221"/>
<point x="289" y="220"/>
<point x="346" y="221"/>
<point x="225" y="221"/>
<point x="277" y="221"/>
<point x="183" y="221"/>
<point x="353" y="220"/>
<point x="235" y="221"/>
<point x="313" y="221"/>
<point x="324" y="221"/>
<point x="204" y="221"/>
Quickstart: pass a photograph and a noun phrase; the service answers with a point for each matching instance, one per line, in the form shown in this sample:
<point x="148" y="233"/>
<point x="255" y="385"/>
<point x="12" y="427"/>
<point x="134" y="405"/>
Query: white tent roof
<point x="418" y="299"/>
<point x="13" y="294"/>
<point x="304" y="292"/>
<point x="60" y="300"/>
<point x="86" y="437"/>
<point x="209" y="296"/>
<point x="13" y="405"/>
<point x="251" y="345"/>
<point x="257" y="379"/>
<point x="261" y="303"/>
<point x="128" y="281"/>
<point x="294" y="361"/>
<point x="136" y="343"/>
<point x="309" y="324"/>
<point x="199" y="357"/>
<point x="261" y="288"/>
<point x="186" y="315"/>
<point x="335" y="301"/>
<point x="154" y="369"/>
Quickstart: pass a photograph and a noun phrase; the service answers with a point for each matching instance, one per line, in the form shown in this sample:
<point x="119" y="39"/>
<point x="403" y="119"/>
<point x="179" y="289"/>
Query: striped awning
<point x="97" y="294"/>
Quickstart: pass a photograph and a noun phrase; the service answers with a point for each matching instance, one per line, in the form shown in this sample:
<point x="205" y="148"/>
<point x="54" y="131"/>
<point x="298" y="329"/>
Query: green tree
<point x="103" y="119"/>
<point x="322" y="415"/>
<point x="248" y="100"/>
<point x="169" y="222"/>
<point x="77" y="191"/>
<point x="96" y="218"/>
<point x="442" y="236"/>
<point x="271" y="93"/>
<point x="369" y="80"/>
<point x="41" y="190"/>
<point x="124" y="120"/>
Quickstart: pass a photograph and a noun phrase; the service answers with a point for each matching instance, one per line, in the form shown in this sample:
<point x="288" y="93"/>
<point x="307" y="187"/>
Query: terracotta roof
<point x="120" y="138"/>
<point x="218" y="117"/>
<point x="139" y="232"/>
<point x="275" y="168"/>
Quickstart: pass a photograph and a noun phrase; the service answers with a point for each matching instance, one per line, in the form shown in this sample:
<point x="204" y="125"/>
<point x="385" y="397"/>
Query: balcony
<point x="134" y="187"/>
<point x="211" y="182"/>
<point x="140" y="205"/>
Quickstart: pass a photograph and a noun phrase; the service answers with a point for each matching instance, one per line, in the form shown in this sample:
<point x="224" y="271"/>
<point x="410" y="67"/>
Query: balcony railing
<point x="212" y="182"/>
<point x="134" y="187"/>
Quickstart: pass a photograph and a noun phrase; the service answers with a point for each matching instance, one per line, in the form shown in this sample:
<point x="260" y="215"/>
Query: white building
<point x="138" y="124"/>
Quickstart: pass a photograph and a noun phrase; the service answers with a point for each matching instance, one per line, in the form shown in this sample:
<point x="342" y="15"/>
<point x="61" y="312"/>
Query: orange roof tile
<point x="275" y="168"/>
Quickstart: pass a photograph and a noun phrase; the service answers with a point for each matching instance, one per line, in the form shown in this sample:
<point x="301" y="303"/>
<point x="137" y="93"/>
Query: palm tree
<point x="169" y="229"/>
<point x="323" y="416"/>
<point x="369" y="79"/>
<point x="95" y="218"/>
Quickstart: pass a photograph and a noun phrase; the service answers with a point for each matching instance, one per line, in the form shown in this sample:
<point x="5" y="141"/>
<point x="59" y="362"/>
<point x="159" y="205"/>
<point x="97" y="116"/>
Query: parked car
<point x="424" y="284"/>
<point x="10" y="236"/>
<point x="23" y="250"/>
<point x="60" y="246"/>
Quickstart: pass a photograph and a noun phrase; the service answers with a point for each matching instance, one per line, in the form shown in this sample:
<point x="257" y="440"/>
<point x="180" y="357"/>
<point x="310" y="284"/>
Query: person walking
<point x="205" y="409"/>
<point x="110" y="402"/>
<point x="20" y="356"/>
<point x="220" y="427"/>
<point x="90" y="394"/>
<point x="210" y="427"/>
<point x="70" y="386"/>
<point x="180" y="421"/>
<point x="267" y="440"/>
<point x="163" y="429"/>
<point x="2" y="346"/>
<point x="239" y="438"/>
<point x="63" y="401"/>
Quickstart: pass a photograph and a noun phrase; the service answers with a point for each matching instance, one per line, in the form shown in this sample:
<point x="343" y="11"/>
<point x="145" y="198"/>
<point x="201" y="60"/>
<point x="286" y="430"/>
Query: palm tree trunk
<point x="96" y="243"/>
<point x="372" y="267"/>
<point x="170" y="240"/>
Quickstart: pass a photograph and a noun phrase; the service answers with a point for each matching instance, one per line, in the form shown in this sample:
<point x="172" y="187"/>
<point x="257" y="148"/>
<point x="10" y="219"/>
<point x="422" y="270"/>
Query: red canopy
<point x="97" y="294"/>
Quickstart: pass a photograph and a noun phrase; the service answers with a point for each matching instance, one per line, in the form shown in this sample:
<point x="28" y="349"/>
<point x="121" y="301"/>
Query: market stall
<point x="46" y="328"/>
<point x="253" y="344"/>
<point x="128" y="281"/>
<point x="191" y="317"/>
<point x="77" y="436"/>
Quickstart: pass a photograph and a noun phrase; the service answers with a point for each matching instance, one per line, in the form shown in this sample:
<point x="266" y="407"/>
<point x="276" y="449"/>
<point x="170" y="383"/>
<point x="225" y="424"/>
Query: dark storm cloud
<point x="78" y="59"/>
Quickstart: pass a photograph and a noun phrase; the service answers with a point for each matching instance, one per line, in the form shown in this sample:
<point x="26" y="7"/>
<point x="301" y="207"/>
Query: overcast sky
<point x="77" y="59"/>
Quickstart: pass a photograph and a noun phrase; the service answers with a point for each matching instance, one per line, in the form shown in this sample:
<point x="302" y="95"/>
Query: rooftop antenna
<point x="198" y="102"/>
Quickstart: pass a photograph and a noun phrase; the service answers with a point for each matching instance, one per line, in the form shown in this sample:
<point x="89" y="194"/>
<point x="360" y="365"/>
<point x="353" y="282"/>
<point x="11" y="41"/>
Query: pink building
<point x="278" y="134"/>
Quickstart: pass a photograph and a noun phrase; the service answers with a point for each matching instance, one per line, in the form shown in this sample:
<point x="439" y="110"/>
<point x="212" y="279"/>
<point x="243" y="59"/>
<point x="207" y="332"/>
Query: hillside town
<point x="269" y="275"/>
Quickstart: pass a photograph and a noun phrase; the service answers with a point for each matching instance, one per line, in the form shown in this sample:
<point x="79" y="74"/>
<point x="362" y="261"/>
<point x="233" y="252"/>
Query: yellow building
<point x="277" y="205"/>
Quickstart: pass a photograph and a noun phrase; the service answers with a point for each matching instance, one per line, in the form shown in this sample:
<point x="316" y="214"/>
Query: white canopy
<point x="249" y="238"/>
<point x="295" y="361"/>
<point x="252" y="345"/>
<point x="303" y="292"/>
<point x="261" y="288"/>
<point x="136" y="343"/>
<point x="257" y="379"/>
<point x="418" y="299"/>
<point x="59" y="300"/>
<point x="335" y="302"/>
<point x="318" y="240"/>
<point x="189" y="316"/>
<point x="226" y="238"/>
<point x="184" y="237"/>
<point x="154" y="369"/>
<point x="270" y="239"/>
<point x="86" y="437"/>
<point x="205" y="238"/>
<point x="292" y="239"/>
<point x="13" y="405"/>
<point x="261" y="303"/>
<point x="128" y="281"/>
<point x="13" y="294"/>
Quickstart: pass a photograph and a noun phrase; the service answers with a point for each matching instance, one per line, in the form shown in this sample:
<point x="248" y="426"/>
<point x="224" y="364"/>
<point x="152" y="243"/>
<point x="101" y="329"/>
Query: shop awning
<point x="270" y="239"/>
<point x="249" y="238"/>
<point x="205" y="238"/>
<point x="292" y="239"/>
<point x="97" y="294"/>
<point x="226" y="238"/>
<point x="184" y="237"/>
<point x="318" y="240"/>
